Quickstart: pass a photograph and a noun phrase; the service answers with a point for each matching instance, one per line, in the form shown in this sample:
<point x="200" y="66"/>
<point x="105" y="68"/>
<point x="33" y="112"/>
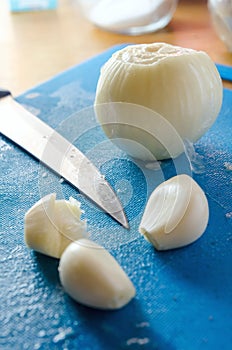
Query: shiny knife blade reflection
<point x="56" y="152"/>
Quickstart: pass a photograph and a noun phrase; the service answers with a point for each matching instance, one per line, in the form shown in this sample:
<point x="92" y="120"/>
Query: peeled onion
<point x="181" y="86"/>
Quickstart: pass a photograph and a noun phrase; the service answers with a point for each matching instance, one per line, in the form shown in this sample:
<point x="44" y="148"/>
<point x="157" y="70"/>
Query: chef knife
<point x="56" y="152"/>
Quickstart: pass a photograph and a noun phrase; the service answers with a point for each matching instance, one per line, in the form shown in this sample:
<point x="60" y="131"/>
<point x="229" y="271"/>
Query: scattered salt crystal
<point x="41" y="333"/>
<point x="195" y="159"/>
<point x="142" y="324"/>
<point x="139" y="341"/>
<point x="63" y="333"/>
<point x="4" y="146"/>
<point x="228" y="166"/>
<point x="32" y="95"/>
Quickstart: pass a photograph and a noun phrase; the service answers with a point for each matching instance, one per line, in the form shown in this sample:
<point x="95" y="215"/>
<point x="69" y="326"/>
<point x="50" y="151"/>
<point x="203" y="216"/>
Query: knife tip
<point x="120" y="217"/>
<point x="126" y="225"/>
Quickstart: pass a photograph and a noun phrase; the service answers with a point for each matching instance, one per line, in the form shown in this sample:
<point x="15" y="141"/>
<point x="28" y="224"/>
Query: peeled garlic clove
<point x="51" y="225"/>
<point x="181" y="85"/>
<point x="176" y="213"/>
<point x="91" y="276"/>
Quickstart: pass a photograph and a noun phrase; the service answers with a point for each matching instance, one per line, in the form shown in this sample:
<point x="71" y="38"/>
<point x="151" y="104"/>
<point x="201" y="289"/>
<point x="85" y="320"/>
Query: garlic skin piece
<point x="92" y="277"/>
<point x="176" y="213"/>
<point x="50" y="225"/>
<point x="181" y="85"/>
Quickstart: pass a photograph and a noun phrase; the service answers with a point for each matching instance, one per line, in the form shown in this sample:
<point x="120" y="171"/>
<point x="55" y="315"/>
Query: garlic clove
<point x="176" y="213"/>
<point x="50" y="225"/>
<point x="91" y="276"/>
<point x="182" y="85"/>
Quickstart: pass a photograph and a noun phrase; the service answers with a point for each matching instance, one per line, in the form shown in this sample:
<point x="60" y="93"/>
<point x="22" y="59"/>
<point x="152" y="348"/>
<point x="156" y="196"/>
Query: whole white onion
<point x="181" y="86"/>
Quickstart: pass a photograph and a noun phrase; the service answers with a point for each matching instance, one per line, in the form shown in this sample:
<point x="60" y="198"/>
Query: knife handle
<point x="4" y="93"/>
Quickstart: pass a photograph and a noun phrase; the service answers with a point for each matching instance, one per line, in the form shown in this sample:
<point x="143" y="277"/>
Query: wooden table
<point x="37" y="45"/>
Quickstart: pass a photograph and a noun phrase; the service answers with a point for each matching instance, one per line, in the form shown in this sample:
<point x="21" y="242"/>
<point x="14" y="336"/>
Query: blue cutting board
<point x="184" y="296"/>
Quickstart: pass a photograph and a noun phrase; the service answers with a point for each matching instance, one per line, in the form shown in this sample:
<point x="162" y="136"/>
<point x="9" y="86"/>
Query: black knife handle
<point x="4" y="93"/>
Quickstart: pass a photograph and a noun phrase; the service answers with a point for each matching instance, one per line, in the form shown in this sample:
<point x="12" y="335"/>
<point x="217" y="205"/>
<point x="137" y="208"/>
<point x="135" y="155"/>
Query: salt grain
<point x="228" y="166"/>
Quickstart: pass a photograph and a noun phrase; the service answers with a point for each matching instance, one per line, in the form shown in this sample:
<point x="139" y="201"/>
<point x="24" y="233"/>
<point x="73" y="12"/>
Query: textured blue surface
<point x="225" y="71"/>
<point x="184" y="296"/>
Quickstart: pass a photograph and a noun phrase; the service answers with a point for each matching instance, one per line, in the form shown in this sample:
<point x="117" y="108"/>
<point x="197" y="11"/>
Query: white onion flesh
<point x="181" y="85"/>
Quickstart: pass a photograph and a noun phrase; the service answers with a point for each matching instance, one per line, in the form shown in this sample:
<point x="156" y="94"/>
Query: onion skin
<point x="182" y="85"/>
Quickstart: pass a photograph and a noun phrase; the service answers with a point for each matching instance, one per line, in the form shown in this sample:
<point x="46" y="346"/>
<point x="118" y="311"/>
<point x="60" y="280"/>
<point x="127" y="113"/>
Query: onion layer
<point x="181" y="85"/>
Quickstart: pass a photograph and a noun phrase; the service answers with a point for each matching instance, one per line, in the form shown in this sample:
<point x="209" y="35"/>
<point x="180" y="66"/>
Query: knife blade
<point x="56" y="152"/>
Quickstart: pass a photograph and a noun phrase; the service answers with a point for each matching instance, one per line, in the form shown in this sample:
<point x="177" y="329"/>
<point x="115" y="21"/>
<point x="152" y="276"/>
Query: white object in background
<point x="221" y="12"/>
<point x="129" y="16"/>
<point x="29" y="5"/>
